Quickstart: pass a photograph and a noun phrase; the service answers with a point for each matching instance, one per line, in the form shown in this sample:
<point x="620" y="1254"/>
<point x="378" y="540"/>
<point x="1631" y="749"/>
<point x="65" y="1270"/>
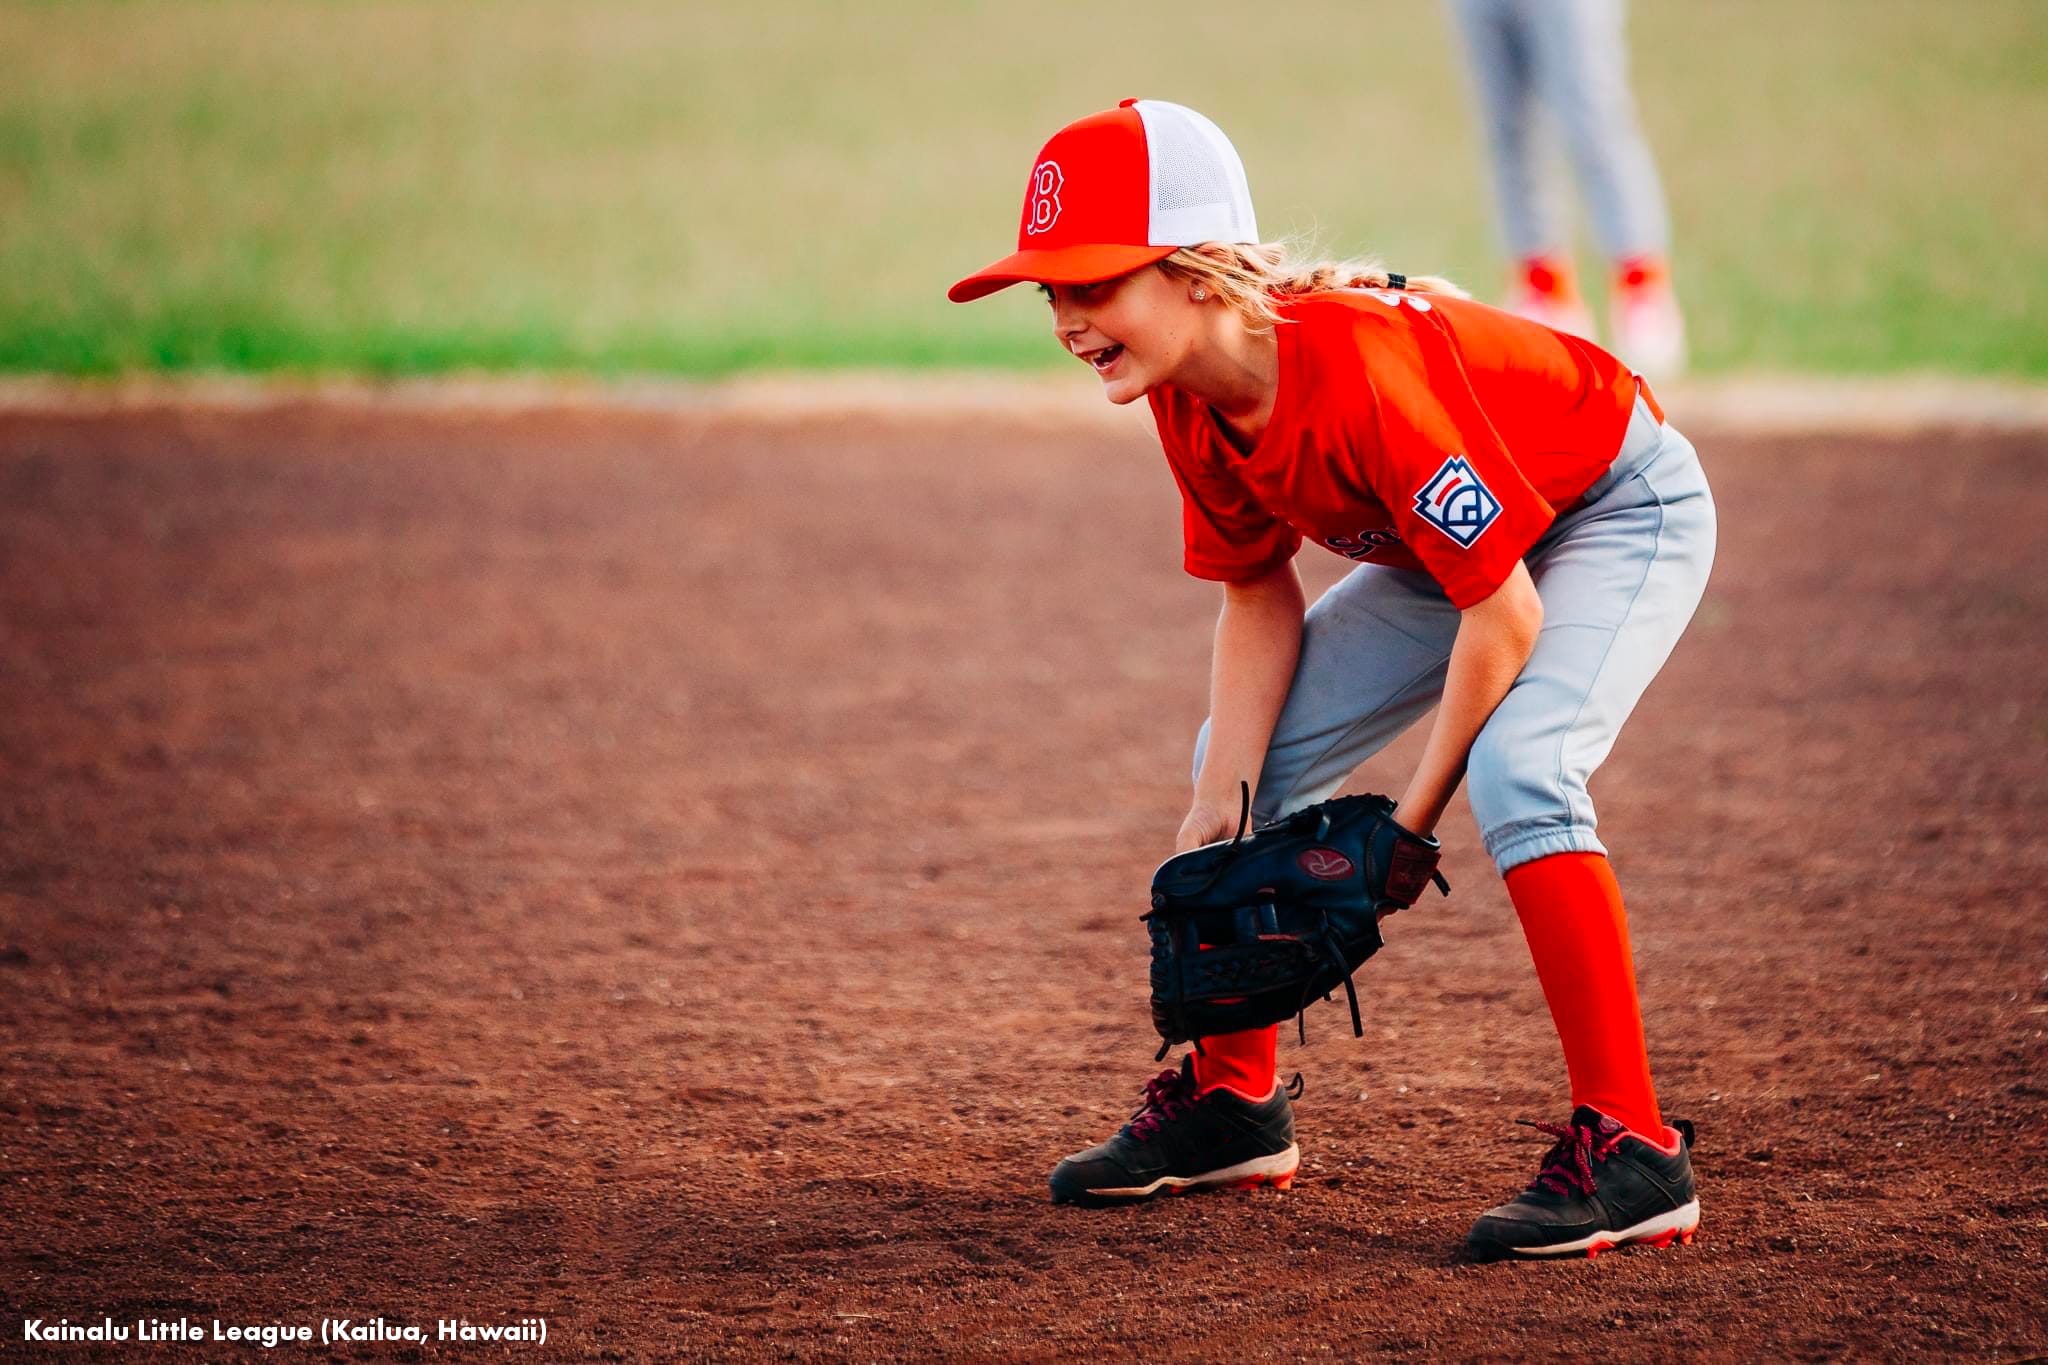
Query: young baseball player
<point x="1530" y="538"/>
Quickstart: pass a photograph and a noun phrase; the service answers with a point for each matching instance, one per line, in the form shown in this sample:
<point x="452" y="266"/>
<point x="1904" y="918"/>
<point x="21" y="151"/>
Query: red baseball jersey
<point x="1412" y="430"/>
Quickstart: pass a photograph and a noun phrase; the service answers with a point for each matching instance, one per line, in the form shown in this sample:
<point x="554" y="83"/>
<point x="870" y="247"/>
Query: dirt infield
<point x="678" y="877"/>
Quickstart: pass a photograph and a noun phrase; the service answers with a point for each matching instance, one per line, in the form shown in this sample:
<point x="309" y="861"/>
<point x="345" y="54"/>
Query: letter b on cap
<point x="1046" y="182"/>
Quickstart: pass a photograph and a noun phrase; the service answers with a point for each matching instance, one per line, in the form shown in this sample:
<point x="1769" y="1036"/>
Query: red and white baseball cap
<point x="1119" y="190"/>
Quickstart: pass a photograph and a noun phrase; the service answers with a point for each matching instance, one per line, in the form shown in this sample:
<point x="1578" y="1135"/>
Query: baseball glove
<point x="1248" y="932"/>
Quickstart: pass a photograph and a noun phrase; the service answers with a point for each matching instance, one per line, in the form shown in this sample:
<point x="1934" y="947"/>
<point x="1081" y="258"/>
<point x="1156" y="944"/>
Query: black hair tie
<point x="1396" y="281"/>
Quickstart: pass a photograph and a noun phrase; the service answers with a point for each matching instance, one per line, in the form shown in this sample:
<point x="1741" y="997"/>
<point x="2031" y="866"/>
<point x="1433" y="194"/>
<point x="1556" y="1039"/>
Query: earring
<point x="1200" y="292"/>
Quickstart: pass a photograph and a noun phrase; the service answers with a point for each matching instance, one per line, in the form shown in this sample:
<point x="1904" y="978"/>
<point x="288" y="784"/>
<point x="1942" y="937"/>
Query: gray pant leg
<point x="1502" y="64"/>
<point x="1373" y="653"/>
<point x="1580" y="62"/>
<point x="1619" y="581"/>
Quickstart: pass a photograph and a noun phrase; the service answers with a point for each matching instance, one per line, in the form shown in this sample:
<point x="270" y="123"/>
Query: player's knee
<point x="1487" y="771"/>
<point x="1513" y="784"/>
<point x="1526" y="807"/>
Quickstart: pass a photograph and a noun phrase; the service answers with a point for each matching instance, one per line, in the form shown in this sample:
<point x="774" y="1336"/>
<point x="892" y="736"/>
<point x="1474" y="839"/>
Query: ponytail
<point x="1255" y="279"/>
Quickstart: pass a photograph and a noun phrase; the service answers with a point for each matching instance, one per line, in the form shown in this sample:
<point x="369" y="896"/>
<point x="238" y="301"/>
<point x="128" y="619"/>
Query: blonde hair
<point x="1254" y="279"/>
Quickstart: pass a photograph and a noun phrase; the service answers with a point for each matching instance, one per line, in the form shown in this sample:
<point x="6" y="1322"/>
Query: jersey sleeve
<point x="1226" y="534"/>
<point x="1456" y="494"/>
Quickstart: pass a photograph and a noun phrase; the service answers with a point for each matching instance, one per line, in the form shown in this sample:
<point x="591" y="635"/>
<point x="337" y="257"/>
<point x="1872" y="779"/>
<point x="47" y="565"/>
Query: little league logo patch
<point x="1457" y="503"/>
<point x="1046" y="182"/>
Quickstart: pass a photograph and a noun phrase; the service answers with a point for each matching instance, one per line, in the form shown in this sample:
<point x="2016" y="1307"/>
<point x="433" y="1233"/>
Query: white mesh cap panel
<point x="1198" y="191"/>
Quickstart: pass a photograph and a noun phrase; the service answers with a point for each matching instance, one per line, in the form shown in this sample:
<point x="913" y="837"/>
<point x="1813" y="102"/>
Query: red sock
<point x="1641" y="272"/>
<point x="1246" y="1062"/>
<point x="1572" y="915"/>
<point x="1552" y="277"/>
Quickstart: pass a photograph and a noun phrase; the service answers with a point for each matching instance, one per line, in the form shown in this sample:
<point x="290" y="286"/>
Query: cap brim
<point x="1057" y="265"/>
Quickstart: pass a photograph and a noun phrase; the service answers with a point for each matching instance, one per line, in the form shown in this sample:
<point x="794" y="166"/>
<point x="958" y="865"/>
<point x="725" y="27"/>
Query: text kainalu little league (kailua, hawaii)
<point x="329" y="1331"/>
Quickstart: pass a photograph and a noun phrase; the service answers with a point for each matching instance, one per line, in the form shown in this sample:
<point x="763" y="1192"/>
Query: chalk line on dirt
<point x="1761" y="404"/>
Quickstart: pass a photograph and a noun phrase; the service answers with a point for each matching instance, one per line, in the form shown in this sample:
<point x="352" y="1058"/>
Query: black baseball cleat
<point x="1601" y="1187"/>
<point x="1180" y="1141"/>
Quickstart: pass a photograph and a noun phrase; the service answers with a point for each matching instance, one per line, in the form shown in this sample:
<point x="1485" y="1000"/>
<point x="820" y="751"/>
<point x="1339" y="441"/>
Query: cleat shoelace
<point x="1570" y="1160"/>
<point x="1166" y="1099"/>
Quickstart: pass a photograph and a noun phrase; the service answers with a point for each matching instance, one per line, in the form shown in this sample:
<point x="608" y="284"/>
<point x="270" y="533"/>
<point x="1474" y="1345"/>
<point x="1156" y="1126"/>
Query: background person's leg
<point x="1579" y="53"/>
<point x="1532" y="223"/>
<point x="1579" y="62"/>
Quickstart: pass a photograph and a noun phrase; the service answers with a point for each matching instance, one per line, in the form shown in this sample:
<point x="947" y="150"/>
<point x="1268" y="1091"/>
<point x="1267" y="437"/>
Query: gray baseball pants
<point x="1567" y="59"/>
<point x="1619" y="578"/>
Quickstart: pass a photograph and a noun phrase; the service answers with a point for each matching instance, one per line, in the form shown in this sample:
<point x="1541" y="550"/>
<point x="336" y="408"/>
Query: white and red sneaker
<point x="1544" y="290"/>
<point x="1649" y="329"/>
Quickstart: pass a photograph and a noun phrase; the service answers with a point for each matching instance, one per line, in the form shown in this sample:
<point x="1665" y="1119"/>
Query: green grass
<point x="698" y="188"/>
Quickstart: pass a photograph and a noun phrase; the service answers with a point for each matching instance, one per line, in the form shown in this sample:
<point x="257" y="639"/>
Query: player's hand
<point x="1206" y="822"/>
